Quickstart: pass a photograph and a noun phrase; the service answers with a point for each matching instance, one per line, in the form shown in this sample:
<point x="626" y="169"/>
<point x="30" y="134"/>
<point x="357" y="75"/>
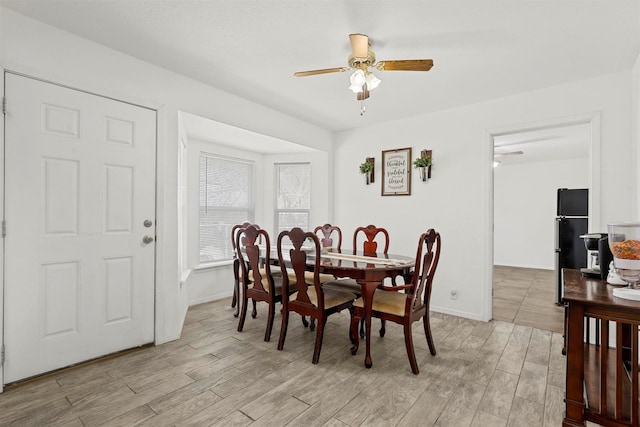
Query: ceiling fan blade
<point x="508" y="153"/>
<point x="322" y="71"/>
<point x="359" y="45"/>
<point x="406" y="65"/>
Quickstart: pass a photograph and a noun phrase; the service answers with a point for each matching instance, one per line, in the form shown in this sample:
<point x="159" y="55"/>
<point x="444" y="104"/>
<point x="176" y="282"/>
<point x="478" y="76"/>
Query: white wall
<point x="636" y="132"/>
<point x="636" y="129"/>
<point x="39" y="50"/>
<point x="458" y="199"/>
<point x="525" y="207"/>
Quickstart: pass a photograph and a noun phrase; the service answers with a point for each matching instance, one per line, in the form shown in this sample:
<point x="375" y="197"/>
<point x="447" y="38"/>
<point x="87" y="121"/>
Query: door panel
<point x="80" y="182"/>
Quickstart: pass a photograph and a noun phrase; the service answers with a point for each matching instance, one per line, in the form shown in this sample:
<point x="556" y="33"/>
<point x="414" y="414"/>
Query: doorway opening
<point x="530" y="163"/>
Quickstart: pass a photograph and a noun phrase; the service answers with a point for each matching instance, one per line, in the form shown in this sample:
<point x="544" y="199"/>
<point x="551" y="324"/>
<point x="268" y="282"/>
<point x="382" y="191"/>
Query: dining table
<point x="369" y="270"/>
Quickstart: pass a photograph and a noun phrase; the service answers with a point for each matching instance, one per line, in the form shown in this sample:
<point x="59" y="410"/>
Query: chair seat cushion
<point x="275" y="272"/>
<point x="332" y="298"/>
<point x="308" y="277"/>
<point x="277" y="282"/>
<point x="343" y="285"/>
<point x="386" y="302"/>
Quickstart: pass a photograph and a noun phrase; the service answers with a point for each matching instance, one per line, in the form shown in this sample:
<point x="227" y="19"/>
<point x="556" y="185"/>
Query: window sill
<point x="212" y="265"/>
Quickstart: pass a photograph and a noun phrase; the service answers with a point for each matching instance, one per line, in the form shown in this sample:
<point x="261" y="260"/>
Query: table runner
<point x="375" y="260"/>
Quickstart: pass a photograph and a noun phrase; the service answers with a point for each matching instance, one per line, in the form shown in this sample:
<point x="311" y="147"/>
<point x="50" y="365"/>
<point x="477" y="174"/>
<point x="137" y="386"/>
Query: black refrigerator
<point x="572" y="221"/>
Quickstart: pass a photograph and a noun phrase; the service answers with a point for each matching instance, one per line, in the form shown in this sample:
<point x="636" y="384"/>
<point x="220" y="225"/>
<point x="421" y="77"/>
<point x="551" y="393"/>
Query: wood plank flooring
<point x="485" y="374"/>
<point x="526" y="296"/>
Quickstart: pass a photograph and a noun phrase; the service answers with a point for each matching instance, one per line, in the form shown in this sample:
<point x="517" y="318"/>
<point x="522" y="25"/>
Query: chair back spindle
<point x="298" y="264"/>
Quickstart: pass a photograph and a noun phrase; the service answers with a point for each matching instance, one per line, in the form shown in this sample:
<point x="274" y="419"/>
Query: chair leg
<point x="235" y="295"/>
<point x="243" y="313"/>
<point x="362" y="328"/>
<point x="408" y="342"/>
<point x="383" y="330"/>
<point x="270" y="319"/>
<point x="427" y="332"/>
<point x="354" y="333"/>
<point x="235" y="302"/>
<point x="254" y="312"/>
<point x="283" y="329"/>
<point x="319" y="335"/>
<point x="312" y="324"/>
<point x="305" y="322"/>
<point x="351" y="338"/>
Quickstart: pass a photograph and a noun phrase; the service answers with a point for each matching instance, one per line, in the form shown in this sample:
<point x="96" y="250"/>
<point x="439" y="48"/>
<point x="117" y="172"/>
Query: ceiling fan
<point x="361" y="60"/>
<point x="497" y="156"/>
<point x="508" y="153"/>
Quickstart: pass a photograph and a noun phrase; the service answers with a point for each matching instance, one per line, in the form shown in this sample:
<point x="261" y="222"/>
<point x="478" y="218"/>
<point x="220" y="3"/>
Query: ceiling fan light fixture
<point x="355" y="89"/>
<point x="357" y="78"/>
<point x="372" y="81"/>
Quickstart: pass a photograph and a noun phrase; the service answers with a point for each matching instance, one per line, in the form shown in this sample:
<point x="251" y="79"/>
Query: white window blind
<point x="293" y="195"/>
<point x="226" y="199"/>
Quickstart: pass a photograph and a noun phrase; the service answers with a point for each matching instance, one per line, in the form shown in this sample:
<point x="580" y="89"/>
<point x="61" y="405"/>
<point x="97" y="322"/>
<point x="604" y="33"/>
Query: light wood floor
<point x="526" y="296"/>
<point x="484" y="374"/>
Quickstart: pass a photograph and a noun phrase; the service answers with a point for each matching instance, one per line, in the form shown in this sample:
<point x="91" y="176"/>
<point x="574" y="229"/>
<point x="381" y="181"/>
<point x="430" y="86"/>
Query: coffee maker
<point x="598" y="255"/>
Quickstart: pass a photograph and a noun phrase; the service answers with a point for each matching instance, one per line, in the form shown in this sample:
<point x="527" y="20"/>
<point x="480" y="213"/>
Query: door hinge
<point x="4" y="228"/>
<point x="2" y="355"/>
<point x="4" y="105"/>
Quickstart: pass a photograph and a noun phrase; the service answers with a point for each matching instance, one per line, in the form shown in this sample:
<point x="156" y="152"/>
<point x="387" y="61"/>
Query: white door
<point x="79" y="199"/>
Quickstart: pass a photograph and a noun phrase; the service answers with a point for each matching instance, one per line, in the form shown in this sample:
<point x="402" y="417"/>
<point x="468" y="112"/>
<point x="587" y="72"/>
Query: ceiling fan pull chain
<point x="363" y="109"/>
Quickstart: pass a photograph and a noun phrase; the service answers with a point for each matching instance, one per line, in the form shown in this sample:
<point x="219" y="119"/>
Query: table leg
<point x="368" y="289"/>
<point x="574" y="393"/>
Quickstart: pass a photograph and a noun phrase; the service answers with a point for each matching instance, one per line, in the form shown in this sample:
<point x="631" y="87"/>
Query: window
<point x="226" y="199"/>
<point x="293" y="195"/>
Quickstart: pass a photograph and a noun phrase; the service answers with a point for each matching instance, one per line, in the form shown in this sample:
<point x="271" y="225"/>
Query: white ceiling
<point x="481" y="49"/>
<point x="202" y="129"/>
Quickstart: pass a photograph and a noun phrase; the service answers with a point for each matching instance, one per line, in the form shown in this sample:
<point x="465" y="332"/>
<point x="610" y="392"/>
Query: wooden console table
<point x="602" y="362"/>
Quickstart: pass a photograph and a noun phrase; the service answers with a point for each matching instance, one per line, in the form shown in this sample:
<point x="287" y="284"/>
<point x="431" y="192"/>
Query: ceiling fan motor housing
<point x="362" y="63"/>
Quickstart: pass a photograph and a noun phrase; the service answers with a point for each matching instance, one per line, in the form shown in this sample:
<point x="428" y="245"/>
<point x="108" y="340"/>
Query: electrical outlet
<point x="453" y="294"/>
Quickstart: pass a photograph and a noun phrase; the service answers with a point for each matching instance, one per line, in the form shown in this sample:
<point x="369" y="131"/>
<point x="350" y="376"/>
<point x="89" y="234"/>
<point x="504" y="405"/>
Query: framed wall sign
<point x="396" y="172"/>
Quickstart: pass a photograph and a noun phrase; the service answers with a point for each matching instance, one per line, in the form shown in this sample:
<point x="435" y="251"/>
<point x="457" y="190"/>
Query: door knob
<point x="147" y="239"/>
<point x="147" y="223"/>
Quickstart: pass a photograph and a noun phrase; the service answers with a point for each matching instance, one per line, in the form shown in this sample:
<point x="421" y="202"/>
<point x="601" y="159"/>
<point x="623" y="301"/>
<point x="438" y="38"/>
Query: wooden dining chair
<point x="313" y="301"/>
<point x="235" y="301"/>
<point x="258" y="283"/>
<point x="369" y="237"/>
<point x="405" y="304"/>
<point x="329" y="234"/>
